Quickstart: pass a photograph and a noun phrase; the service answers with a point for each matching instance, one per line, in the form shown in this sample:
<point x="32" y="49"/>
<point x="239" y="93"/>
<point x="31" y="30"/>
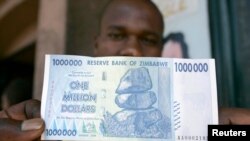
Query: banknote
<point x="128" y="98"/>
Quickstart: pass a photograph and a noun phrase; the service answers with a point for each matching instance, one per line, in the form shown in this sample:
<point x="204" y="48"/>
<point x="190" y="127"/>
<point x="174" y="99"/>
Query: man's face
<point x="130" y="28"/>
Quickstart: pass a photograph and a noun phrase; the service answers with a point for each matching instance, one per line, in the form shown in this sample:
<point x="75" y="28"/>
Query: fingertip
<point x="32" y="108"/>
<point x="32" y="129"/>
<point x="27" y="130"/>
<point x="32" y="124"/>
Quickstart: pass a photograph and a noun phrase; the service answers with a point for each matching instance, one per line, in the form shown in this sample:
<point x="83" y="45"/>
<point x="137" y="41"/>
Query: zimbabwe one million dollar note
<point x="128" y="98"/>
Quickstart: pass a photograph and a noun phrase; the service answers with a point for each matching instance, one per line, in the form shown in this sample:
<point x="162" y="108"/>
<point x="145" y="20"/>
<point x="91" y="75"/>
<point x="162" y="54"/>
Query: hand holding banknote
<point x="149" y="35"/>
<point x="21" y="122"/>
<point x="10" y="128"/>
<point x="111" y="45"/>
<point x="234" y="116"/>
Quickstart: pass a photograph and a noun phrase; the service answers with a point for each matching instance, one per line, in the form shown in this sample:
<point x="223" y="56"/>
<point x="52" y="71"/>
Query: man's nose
<point x="132" y="47"/>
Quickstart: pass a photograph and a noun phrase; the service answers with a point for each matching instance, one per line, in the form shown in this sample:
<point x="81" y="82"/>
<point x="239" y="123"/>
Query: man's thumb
<point x="15" y="130"/>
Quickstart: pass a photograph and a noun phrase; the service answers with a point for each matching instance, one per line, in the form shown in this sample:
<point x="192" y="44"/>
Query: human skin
<point x="234" y="116"/>
<point x="21" y="122"/>
<point x="128" y="28"/>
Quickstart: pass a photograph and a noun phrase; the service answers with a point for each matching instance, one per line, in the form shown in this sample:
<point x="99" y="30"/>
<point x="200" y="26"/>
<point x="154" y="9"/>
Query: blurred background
<point x="29" y="29"/>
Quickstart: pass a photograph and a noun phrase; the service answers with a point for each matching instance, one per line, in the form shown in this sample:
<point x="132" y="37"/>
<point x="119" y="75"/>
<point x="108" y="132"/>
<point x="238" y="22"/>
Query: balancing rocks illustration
<point x="138" y="118"/>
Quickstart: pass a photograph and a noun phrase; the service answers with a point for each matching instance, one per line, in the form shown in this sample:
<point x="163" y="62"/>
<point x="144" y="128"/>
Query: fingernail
<point x="32" y="124"/>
